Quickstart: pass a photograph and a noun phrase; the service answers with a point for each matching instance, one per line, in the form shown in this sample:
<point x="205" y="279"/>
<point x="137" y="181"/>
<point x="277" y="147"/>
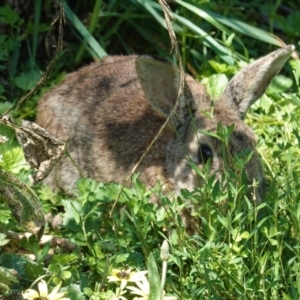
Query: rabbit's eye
<point x="204" y="154"/>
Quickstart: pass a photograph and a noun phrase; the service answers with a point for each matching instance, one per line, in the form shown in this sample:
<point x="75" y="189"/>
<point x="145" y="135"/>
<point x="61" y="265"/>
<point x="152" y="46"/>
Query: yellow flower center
<point x="123" y="275"/>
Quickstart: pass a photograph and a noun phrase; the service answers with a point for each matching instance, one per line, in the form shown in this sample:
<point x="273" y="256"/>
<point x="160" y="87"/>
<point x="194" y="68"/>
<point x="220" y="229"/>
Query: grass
<point x="241" y="250"/>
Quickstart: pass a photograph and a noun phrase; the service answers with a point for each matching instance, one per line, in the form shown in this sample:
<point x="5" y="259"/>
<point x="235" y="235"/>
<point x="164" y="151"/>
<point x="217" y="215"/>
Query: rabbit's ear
<point x="160" y="82"/>
<point x="250" y="83"/>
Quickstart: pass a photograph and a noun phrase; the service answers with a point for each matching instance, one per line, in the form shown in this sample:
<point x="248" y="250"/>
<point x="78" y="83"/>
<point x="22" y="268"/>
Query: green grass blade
<point x="204" y="15"/>
<point x="220" y="50"/>
<point x="246" y="29"/>
<point x="153" y="8"/>
<point x="99" y="52"/>
<point x="93" y="23"/>
<point x="37" y="16"/>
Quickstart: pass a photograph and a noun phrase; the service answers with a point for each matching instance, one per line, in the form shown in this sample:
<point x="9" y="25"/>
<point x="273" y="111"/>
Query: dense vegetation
<point x="242" y="251"/>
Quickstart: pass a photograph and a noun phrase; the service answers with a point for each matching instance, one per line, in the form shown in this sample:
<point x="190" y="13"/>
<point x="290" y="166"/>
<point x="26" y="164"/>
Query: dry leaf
<point x="41" y="150"/>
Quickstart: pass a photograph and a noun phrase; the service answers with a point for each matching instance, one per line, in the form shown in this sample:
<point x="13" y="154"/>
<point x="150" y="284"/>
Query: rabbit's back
<point x="102" y="112"/>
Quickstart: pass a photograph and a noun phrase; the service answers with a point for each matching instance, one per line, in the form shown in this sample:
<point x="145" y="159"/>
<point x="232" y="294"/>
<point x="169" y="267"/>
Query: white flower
<point x="169" y="297"/>
<point x="143" y="290"/>
<point x="125" y="275"/>
<point x="42" y="293"/>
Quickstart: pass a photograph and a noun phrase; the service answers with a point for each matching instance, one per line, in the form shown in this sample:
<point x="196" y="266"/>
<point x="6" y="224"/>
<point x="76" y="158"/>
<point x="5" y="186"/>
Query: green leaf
<point x="71" y="216"/>
<point x="74" y="292"/>
<point x="3" y="240"/>
<point x="154" y="278"/>
<point x="25" y="268"/>
<point x="222" y="68"/>
<point x="279" y="84"/>
<point x="235" y="260"/>
<point x="216" y="84"/>
<point x="9" y="16"/>
<point x="23" y="202"/>
<point x="27" y="80"/>
<point x="13" y="160"/>
<point x="7" y="278"/>
<point x="65" y="275"/>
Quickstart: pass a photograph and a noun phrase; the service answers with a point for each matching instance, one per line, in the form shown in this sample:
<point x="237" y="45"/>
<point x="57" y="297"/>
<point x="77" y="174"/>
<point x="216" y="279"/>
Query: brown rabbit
<point x="111" y="110"/>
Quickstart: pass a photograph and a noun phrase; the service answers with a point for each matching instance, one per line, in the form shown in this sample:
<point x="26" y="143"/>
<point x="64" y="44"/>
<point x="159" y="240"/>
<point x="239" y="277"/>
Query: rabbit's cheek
<point x="184" y="176"/>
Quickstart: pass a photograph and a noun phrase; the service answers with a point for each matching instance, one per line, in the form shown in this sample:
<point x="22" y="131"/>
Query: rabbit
<point x="110" y="111"/>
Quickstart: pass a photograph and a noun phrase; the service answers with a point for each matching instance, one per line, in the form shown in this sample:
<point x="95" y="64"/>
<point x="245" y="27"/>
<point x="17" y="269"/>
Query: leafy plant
<point x="240" y="250"/>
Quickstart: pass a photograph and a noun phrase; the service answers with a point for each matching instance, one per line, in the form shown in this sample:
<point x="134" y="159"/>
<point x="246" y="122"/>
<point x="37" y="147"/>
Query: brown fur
<point x="111" y="110"/>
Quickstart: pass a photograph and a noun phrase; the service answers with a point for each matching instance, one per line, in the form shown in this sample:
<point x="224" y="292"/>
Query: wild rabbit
<point x="110" y="111"/>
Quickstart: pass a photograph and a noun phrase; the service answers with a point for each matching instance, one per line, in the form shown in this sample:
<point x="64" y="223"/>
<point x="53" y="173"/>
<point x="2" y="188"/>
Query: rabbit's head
<point x="197" y="118"/>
